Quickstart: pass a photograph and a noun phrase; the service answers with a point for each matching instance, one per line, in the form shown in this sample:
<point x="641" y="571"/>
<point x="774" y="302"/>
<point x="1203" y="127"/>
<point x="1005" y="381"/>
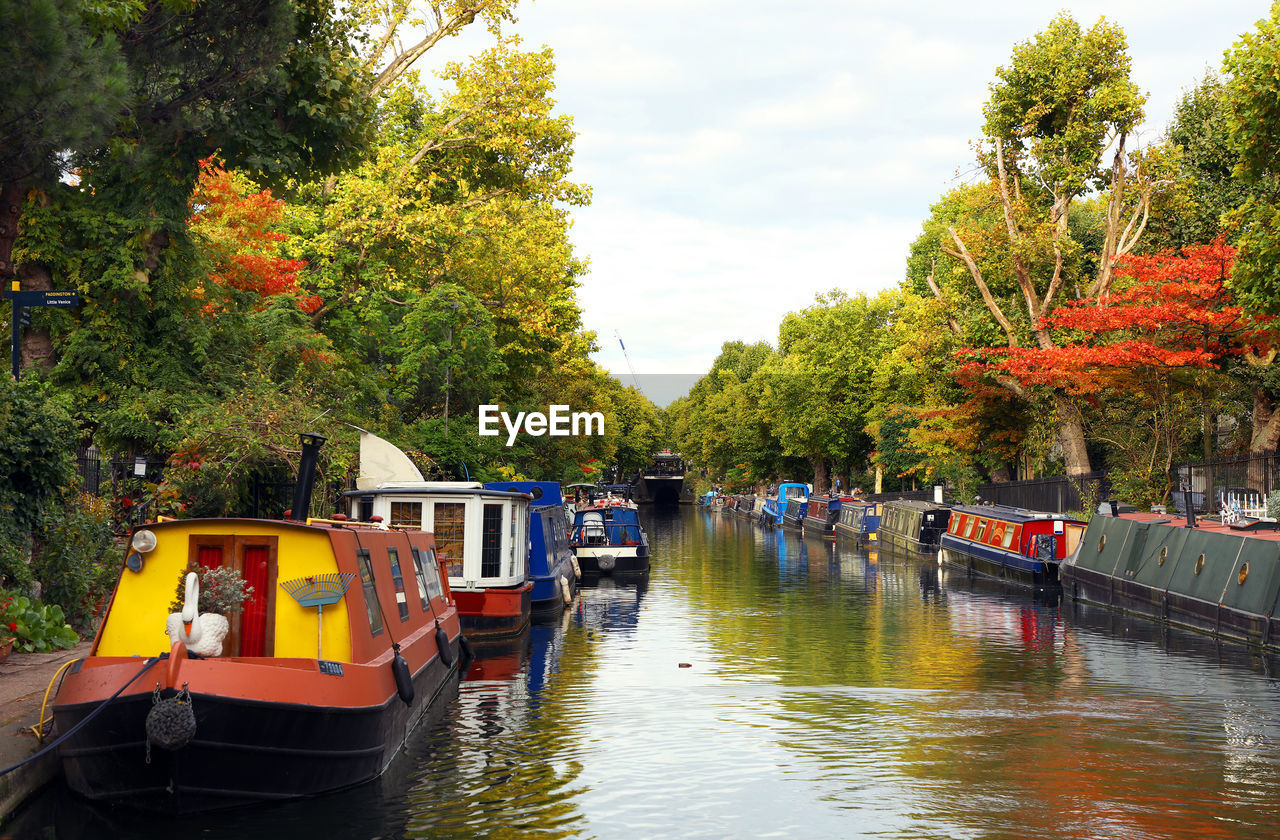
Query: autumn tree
<point x="1064" y="99"/>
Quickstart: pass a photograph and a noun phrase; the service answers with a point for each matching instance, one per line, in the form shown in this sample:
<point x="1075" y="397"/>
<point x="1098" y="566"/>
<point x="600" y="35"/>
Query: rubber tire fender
<point x="404" y="679"/>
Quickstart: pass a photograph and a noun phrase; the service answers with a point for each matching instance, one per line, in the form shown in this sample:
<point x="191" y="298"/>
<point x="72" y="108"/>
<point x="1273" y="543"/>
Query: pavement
<point x="23" y="680"/>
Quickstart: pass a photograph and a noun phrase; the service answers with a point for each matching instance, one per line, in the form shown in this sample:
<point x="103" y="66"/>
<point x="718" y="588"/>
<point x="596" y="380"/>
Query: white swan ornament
<point x="202" y="634"/>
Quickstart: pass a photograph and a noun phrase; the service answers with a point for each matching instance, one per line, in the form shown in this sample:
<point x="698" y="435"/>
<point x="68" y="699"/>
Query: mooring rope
<point x="73" y="730"/>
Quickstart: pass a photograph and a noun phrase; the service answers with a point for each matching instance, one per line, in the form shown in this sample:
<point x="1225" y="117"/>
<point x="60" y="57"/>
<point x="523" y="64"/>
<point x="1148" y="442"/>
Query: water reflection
<point x="828" y="693"/>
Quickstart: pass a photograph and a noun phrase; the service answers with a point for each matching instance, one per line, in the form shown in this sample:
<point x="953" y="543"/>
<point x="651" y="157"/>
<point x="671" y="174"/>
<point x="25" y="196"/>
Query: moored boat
<point x="1008" y="542"/>
<point x="912" y="527"/>
<point x="775" y="507"/>
<point x="553" y="570"/>
<point x="1212" y="577"/>
<point x="859" y="520"/>
<point x="822" y="513"/>
<point x="482" y="538"/>
<point x="481" y="535"/>
<point x="347" y="638"/>
<point x="607" y="537"/>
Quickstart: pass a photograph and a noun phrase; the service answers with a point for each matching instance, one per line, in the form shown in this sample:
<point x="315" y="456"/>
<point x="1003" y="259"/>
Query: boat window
<point x="406" y="515"/>
<point x="449" y="524"/>
<point x="397" y="578"/>
<point x="1073" y="534"/>
<point x="421" y="577"/>
<point x="982" y="529"/>
<point x="370" y="591"/>
<point x="973" y="523"/>
<point x="1008" y="536"/>
<point x="491" y="541"/>
<point x="513" y="561"/>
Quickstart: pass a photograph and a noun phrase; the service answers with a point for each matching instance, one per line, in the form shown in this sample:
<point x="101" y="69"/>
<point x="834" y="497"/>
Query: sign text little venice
<point x="557" y="422"/>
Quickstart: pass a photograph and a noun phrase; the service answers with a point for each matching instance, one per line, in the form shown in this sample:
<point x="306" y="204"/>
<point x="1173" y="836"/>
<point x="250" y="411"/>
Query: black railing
<point x="1057" y="494"/>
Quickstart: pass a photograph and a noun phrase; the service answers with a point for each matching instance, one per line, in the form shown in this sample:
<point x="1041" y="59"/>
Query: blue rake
<point x="318" y="591"/>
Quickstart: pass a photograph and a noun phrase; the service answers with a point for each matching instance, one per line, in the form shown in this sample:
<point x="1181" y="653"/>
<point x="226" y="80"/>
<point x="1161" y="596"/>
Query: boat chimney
<point x="1191" y="510"/>
<point x="311" y="444"/>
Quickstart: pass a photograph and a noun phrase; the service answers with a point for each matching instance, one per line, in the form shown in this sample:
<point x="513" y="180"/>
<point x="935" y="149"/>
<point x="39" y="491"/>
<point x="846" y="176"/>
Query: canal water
<point x="758" y="684"/>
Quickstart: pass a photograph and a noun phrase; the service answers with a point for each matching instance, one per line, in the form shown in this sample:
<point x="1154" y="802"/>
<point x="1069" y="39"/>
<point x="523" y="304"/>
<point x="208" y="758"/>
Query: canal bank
<point x="23" y="680"/>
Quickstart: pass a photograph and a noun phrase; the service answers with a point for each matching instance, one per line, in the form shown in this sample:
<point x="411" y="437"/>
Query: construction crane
<point x="627" y="356"/>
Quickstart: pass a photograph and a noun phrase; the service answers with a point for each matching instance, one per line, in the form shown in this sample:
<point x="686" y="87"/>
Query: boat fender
<point x="577" y="567"/>
<point x="442" y="642"/>
<point x="468" y="652"/>
<point x="171" y="723"/>
<point x="565" y="591"/>
<point x="404" y="680"/>
<point x="607" y="562"/>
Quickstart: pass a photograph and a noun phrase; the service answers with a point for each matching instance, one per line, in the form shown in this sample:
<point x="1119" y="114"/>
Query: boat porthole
<point x="1164" y="554"/>
<point x="1244" y="573"/>
<point x="1102" y="542"/>
<point x="1199" y="563"/>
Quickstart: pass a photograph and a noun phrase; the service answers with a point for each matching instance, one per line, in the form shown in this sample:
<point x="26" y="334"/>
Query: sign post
<point x="21" y="300"/>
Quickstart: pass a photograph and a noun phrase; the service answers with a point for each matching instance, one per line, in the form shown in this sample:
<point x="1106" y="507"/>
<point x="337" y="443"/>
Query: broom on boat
<point x="317" y="591"/>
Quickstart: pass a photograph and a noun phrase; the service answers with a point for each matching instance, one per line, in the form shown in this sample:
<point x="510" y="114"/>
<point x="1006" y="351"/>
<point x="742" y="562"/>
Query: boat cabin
<point x="859" y="519"/>
<point x="1005" y="541"/>
<point x="912" y="526"/>
<point x="551" y="558"/>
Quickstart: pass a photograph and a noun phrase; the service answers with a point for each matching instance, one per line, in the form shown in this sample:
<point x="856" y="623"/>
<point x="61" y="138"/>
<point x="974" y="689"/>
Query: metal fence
<point x="1209" y="481"/>
<point x="1057" y="494"/>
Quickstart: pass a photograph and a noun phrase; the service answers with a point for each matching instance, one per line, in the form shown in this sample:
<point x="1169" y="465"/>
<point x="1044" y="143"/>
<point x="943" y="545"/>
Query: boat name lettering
<point x="557" y="422"/>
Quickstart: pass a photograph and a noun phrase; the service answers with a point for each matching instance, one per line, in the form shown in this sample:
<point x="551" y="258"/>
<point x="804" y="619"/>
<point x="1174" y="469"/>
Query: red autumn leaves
<point x="1176" y="311"/>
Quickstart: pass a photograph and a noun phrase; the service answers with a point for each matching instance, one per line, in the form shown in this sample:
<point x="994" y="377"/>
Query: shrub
<point x="75" y="561"/>
<point x="222" y="590"/>
<point x="35" y="627"/>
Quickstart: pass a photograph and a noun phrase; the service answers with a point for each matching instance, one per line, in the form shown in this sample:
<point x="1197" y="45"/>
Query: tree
<point x="1062" y="101"/>
<point x="1149" y="344"/>
<point x="1253" y="121"/>
<point x="66" y="82"/>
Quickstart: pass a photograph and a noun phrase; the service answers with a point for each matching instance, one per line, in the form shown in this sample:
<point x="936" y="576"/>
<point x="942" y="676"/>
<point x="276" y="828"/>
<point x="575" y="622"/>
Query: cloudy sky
<point x="745" y="156"/>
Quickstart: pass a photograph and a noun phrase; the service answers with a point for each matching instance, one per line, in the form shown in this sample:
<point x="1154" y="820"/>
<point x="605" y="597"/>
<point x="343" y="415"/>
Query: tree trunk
<point x="819" y="475"/>
<point x="1071" y="435"/>
<point x="1001" y="474"/>
<point x="10" y="211"/>
<point x="1265" y="438"/>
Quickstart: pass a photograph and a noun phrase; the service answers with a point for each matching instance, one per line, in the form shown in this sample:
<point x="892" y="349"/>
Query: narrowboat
<point x="481" y="535"/>
<point x="1012" y="543"/>
<point x="793" y="514"/>
<point x="912" y="527"/>
<point x="1218" y="578"/>
<point x="822" y="514"/>
<point x="349" y="635"/>
<point x="553" y="569"/>
<point x="607" y="537"/>
<point x="775" y="507"/>
<point x="859" y="520"/>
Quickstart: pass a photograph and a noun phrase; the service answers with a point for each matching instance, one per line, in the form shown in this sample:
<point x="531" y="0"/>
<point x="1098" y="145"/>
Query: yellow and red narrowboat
<point x="348" y="637"/>
<point x="1013" y="543"/>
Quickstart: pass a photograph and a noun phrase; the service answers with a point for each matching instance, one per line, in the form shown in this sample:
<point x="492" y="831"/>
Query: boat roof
<point x="435" y="488"/>
<point x="1010" y="513"/>
<point x="543" y="493"/>
<point x="917" y="504"/>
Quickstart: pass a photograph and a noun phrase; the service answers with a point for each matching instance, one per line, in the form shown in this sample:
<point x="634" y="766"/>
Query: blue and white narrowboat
<point x="553" y="568"/>
<point x="775" y="507"/>
<point x="1012" y="543"/>
<point x="607" y="537"/>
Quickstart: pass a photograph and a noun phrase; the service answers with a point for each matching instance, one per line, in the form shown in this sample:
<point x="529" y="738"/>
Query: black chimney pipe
<point x="1189" y="499"/>
<point x="311" y="444"/>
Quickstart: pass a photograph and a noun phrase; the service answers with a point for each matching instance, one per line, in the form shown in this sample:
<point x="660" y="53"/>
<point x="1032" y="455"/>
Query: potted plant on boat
<point x="221" y="592"/>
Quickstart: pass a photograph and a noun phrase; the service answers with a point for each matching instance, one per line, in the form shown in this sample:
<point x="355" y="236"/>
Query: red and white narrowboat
<point x="1016" y="544"/>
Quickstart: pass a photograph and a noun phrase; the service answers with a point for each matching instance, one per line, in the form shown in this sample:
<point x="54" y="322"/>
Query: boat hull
<point x="494" y="613"/>
<point x="245" y="750"/>
<point x="994" y="563"/>
<point x="629" y="559"/>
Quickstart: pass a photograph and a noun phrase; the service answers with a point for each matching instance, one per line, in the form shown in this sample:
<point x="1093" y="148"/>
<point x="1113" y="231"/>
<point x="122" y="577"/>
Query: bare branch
<point x="992" y="305"/>
<point x="952" y="323"/>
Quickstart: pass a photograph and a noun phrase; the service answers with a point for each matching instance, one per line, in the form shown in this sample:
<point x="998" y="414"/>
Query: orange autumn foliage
<point x="239" y="229"/>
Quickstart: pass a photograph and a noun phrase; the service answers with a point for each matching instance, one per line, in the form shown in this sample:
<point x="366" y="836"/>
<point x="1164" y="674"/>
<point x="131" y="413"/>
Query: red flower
<point x="13" y="625"/>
